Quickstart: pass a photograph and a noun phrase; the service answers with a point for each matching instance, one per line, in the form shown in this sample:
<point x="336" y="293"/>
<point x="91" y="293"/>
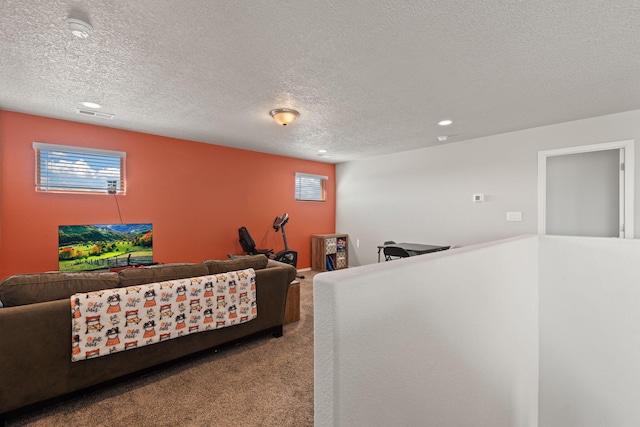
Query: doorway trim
<point x="626" y="183"/>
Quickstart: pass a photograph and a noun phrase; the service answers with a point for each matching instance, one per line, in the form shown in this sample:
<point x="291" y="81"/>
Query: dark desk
<point x="415" y="248"/>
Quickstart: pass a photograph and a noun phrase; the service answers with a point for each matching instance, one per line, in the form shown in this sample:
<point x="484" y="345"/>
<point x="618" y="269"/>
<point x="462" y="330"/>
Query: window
<point x="79" y="170"/>
<point x="311" y="187"/>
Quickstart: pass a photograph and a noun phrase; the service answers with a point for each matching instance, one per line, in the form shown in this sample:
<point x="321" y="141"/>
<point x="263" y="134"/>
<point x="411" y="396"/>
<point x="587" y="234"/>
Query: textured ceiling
<point x="368" y="77"/>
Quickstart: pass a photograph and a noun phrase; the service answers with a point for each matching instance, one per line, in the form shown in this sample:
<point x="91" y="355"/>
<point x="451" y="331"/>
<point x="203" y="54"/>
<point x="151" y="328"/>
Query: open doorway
<point x="587" y="190"/>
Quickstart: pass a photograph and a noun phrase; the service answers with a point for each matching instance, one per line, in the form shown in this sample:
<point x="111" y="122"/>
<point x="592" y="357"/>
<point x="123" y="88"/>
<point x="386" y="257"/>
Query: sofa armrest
<point x="272" y="289"/>
<point x="32" y="347"/>
<point x="291" y="271"/>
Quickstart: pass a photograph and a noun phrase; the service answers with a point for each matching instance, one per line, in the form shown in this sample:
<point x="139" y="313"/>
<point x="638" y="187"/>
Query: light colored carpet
<point x="261" y="382"/>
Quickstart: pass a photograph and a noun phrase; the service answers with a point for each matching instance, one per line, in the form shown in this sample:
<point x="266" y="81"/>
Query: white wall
<point x="445" y="339"/>
<point x="589" y="332"/>
<point x="425" y="196"/>
<point x="521" y="332"/>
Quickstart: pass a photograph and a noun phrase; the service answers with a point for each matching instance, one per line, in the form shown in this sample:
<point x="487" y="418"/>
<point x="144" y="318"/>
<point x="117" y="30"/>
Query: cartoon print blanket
<point x="114" y="320"/>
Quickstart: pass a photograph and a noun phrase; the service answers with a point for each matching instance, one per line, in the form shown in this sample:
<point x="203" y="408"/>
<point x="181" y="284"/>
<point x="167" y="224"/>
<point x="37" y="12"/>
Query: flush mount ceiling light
<point x="79" y="28"/>
<point x="284" y="116"/>
<point x="445" y="122"/>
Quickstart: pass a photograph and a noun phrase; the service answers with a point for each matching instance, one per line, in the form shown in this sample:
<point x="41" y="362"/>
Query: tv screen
<point x="102" y="246"/>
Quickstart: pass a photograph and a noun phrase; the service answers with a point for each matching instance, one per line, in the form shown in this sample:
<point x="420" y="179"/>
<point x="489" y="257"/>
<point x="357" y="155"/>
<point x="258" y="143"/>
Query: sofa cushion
<point x="160" y="273"/>
<point x="215" y="266"/>
<point x="23" y="289"/>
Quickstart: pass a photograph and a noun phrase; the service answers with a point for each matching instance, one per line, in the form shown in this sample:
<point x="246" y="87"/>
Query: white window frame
<point x="68" y="169"/>
<point x="319" y="180"/>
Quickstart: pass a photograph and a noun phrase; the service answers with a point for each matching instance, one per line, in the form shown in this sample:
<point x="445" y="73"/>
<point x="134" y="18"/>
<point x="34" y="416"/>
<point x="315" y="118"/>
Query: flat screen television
<point x="103" y="246"/>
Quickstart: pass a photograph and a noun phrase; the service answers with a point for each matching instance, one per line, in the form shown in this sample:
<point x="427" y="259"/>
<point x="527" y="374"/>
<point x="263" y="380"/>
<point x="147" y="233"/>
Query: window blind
<point x="311" y="187"/>
<point x="61" y="168"/>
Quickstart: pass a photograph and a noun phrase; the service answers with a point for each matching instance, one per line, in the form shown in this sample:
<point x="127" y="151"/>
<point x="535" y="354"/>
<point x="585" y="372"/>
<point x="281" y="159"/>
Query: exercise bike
<point x="287" y="256"/>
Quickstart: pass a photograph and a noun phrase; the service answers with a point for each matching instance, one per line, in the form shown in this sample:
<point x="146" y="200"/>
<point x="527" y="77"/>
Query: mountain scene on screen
<point x="99" y="246"/>
<point x="75" y="234"/>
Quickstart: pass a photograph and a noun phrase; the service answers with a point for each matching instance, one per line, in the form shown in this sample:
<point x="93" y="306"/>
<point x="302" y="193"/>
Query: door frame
<point x="626" y="181"/>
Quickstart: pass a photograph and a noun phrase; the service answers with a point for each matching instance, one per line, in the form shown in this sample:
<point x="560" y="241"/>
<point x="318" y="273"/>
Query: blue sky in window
<point x="78" y="170"/>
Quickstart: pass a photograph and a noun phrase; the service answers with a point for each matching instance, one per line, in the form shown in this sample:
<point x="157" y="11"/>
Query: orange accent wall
<point x="196" y="195"/>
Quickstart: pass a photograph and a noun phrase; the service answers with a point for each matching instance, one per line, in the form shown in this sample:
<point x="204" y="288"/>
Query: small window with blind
<point x="311" y="187"/>
<point x="65" y="169"/>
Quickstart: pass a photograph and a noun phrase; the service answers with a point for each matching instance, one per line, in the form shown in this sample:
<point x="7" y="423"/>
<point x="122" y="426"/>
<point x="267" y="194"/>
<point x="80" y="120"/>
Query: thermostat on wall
<point x="478" y="197"/>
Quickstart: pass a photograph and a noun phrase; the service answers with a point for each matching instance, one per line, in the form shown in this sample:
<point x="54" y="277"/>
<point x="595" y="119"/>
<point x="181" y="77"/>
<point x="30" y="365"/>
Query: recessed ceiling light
<point x="443" y="138"/>
<point x="322" y="151"/>
<point x="90" y="104"/>
<point x="79" y="28"/>
<point x="445" y="122"/>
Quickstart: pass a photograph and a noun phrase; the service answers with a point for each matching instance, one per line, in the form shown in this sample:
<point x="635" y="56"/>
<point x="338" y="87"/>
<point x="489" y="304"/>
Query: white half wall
<point x="426" y="196"/>
<point x="527" y="331"/>
<point x="589" y="332"/>
<point x="446" y="339"/>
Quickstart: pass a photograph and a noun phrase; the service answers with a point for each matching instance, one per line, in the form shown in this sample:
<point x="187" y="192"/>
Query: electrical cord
<point x="118" y="205"/>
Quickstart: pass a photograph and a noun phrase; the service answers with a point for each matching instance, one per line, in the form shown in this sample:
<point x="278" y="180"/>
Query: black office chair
<point x="394" y="252"/>
<point x="389" y="242"/>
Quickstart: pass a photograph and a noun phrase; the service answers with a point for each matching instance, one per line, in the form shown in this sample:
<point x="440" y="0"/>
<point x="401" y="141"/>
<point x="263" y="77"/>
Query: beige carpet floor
<point x="260" y="382"/>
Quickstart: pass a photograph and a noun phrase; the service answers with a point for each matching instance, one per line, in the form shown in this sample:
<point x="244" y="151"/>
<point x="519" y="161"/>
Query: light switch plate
<point x="514" y="216"/>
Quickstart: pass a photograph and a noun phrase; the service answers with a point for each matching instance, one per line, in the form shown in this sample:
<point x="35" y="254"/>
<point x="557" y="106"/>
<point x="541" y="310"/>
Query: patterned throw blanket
<point x="114" y="320"/>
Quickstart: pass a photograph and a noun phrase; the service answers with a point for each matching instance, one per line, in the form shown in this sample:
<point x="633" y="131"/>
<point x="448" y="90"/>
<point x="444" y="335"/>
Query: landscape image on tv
<point x="101" y="246"/>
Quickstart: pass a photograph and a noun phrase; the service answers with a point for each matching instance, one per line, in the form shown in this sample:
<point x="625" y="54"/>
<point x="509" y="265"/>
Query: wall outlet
<point x="478" y="198"/>
<point x="357" y="243"/>
<point x="514" y="216"/>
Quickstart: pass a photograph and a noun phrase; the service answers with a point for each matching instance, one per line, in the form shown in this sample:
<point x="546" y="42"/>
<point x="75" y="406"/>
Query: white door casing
<point x="626" y="187"/>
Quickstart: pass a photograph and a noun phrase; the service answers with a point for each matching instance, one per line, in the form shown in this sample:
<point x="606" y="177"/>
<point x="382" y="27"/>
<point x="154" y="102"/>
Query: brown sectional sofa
<point x="35" y="327"/>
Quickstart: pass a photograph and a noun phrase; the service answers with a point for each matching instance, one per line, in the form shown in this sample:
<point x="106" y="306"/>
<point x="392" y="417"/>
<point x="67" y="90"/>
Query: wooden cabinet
<point x="329" y="251"/>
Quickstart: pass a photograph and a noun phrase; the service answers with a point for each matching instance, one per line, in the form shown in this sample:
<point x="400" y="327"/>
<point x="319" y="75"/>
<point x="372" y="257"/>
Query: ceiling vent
<point x="94" y="114"/>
